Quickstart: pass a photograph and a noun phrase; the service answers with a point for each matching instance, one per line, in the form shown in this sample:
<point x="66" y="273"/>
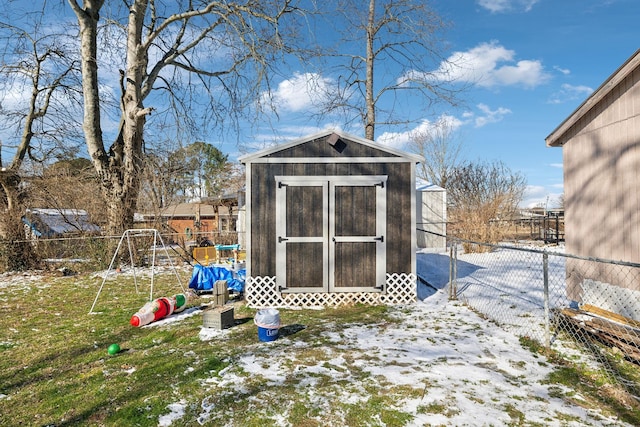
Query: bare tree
<point x="197" y="171"/>
<point x="441" y="148"/>
<point x="154" y="194"/>
<point x="38" y="104"/>
<point x="379" y="40"/>
<point x="66" y="184"/>
<point x="479" y="195"/>
<point x="185" y="49"/>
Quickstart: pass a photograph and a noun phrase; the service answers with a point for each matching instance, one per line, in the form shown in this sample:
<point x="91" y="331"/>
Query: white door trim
<point x="329" y="239"/>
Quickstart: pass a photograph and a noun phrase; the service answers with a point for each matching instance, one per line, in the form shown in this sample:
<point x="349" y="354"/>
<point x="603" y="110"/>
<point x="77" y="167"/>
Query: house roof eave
<point x="557" y="137"/>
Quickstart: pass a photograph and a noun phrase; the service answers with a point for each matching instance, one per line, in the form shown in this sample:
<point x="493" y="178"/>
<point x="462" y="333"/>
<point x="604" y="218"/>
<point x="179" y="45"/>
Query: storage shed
<point x="431" y="202"/>
<point x="600" y="144"/>
<point x="331" y="220"/>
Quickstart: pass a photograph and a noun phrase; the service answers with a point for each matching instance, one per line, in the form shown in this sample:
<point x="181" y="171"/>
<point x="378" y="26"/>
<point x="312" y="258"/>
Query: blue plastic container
<point x="266" y="334"/>
<point x="268" y="322"/>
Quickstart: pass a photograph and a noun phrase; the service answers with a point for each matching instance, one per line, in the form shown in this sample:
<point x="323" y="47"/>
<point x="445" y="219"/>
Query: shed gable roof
<point x="557" y="137"/>
<point x="329" y="135"/>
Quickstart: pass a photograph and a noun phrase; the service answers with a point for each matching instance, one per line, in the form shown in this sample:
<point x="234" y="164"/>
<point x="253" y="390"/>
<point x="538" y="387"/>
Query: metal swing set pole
<point x="137" y="233"/>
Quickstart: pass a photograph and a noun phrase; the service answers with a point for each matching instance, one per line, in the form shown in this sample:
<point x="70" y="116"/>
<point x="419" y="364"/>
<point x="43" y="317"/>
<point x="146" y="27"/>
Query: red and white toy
<point x="159" y="309"/>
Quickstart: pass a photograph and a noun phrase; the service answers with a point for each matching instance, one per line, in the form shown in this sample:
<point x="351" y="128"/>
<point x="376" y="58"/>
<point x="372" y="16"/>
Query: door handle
<point x="282" y="239"/>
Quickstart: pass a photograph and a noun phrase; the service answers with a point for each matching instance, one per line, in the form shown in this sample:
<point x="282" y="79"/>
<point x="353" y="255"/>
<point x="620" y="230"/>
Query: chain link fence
<point x="581" y="307"/>
<point x="94" y="252"/>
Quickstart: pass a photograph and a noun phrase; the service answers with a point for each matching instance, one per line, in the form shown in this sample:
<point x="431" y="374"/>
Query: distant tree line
<point x="128" y="83"/>
<point x="479" y="193"/>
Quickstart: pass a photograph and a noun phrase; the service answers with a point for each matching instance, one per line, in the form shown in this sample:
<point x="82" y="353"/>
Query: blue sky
<point x="549" y="56"/>
<point x="534" y="62"/>
<point x="530" y="63"/>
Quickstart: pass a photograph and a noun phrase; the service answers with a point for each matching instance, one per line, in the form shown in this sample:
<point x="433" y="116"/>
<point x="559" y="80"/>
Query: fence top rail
<point x="456" y="240"/>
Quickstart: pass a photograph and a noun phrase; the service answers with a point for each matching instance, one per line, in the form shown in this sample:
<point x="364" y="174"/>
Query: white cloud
<point x="497" y="6"/>
<point x="564" y="71"/>
<point x="556" y="165"/>
<point x="488" y="115"/>
<point x="300" y="92"/>
<point x="569" y="92"/>
<point x="395" y="139"/>
<point x="539" y="196"/>
<point x="526" y="72"/>
<point x="490" y="65"/>
<point x="400" y="139"/>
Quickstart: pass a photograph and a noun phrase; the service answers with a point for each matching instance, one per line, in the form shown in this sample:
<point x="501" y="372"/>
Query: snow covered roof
<point x="429" y="187"/>
<point x="55" y="222"/>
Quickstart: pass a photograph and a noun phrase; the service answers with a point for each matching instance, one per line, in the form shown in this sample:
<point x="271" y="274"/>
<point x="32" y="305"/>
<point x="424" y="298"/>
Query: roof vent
<point x="336" y="142"/>
<point x="333" y="139"/>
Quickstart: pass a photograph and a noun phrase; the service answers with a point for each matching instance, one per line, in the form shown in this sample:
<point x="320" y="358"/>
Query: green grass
<point x="55" y="369"/>
<point x="594" y="387"/>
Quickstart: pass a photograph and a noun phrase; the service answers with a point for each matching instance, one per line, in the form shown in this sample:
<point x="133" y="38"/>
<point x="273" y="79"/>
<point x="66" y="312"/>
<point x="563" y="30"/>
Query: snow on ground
<point x="20" y="280"/>
<point x="472" y="368"/>
<point x="475" y="372"/>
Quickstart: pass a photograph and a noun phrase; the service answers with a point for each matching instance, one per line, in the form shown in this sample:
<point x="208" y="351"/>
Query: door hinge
<point x="282" y="239"/>
<point x="380" y="239"/>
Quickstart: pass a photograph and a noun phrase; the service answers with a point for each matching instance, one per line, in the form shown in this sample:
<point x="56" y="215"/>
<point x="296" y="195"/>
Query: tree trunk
<point x="15" y="252"/>
<point x="118" y="169"/>
<point x="370" y="120"/>
<point x="10" y="183"/>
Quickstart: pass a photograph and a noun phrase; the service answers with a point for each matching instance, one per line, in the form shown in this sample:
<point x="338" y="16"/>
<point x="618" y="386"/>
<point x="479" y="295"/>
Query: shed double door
<point x="330" y="233"/>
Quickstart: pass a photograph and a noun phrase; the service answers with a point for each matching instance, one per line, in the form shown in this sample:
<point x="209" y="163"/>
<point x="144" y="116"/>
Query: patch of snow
<point x="477" y="371"/>
<point x="176" y="413"/>
<point x="175" y="317"/>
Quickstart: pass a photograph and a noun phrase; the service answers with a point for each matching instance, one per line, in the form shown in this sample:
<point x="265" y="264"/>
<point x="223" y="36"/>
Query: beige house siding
<point x="601" y="151"/>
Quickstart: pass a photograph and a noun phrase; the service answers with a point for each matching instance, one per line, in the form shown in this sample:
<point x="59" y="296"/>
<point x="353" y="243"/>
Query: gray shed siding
<point x="263" y="237"/>
<point x="330" y="220"/>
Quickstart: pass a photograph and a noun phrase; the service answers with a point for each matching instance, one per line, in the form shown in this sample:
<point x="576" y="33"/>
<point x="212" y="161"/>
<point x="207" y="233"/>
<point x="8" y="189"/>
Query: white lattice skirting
<point x="261" y="292"/>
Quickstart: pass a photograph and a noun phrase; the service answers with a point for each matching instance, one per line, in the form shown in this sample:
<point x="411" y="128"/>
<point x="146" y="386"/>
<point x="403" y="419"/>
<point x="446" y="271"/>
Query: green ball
<point x="114" y="349"/>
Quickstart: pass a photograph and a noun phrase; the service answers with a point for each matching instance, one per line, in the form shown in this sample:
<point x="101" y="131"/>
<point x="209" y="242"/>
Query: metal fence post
<point x="453" y="271"/>
<point x="545" y="275"/>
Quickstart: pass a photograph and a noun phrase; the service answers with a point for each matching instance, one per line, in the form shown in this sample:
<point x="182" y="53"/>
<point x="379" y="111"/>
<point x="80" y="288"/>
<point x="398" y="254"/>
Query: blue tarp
<point x="227" y="247"/>
<point x="204" y="277"/>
